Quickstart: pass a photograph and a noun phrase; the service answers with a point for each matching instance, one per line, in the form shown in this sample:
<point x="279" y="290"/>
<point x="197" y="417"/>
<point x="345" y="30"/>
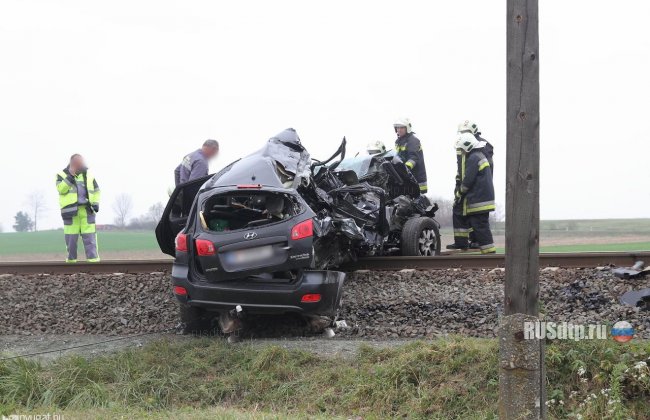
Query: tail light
<point x="249" y="186"/>
<point x="181" y="242"/>
<point x="303" y="230"/>
<point x="181" y="291"/>
<point x="205" y="248"/>
<point x="310" y="298"/>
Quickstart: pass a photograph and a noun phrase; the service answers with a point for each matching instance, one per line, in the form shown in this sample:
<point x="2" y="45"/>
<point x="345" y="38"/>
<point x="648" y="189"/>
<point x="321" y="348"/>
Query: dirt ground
<point x="595" y="240"/>
<point x="94" y="345"/>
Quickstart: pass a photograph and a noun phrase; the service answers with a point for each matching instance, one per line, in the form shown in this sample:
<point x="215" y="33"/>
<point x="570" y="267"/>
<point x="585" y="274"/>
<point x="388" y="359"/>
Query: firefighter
<point x="409" y="150"/>
<point x="195" y="165"/>
<point x="79" y="201"/>
<point x="474" y="196"/>
<point x="471" y="127"/>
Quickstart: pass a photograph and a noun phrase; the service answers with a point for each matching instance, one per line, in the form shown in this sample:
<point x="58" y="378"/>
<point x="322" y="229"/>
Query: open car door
<point x="176" y="213"/>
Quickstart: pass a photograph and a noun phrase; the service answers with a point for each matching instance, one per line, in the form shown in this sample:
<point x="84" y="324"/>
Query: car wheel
<point x="193" y="319"/>
<point x="420" y="237"/>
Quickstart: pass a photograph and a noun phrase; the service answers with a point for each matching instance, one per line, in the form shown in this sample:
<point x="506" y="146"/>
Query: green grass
<point x="51" y="241"/>
<point x="450" y="378"/>
<point x="587" y="227"/>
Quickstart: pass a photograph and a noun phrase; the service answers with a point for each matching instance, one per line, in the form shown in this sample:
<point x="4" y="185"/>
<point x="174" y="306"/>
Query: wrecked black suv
<point x="264" y="234"/>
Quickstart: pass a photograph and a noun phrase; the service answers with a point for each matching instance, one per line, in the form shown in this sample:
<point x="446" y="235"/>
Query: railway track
<point x="583" y="259"/>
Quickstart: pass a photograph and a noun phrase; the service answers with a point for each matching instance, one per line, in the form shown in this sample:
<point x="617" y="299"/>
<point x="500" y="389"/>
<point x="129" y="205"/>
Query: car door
<point x="174" y="218"/>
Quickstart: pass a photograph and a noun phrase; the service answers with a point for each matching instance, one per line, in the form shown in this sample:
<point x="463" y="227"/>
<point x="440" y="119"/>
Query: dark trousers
<point x="476" y="224"/>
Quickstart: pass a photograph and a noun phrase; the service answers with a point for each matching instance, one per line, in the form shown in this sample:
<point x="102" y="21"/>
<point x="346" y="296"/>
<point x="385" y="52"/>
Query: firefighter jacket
<point x="409" y="150"/>
<point x="488" y="151"/>
<point x="476" y="187"/>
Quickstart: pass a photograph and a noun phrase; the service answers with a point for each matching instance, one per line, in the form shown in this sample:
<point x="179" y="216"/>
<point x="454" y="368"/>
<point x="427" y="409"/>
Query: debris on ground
<point x="637" y="298"/>
<point x="631" y="272"/>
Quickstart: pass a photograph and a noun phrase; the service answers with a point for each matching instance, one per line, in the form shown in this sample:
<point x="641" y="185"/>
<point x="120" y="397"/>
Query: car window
<point x="359" y="165"/>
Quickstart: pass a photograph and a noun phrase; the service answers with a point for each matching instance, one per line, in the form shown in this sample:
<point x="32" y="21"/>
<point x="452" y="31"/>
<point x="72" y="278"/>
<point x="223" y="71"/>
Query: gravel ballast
<point x="376" y="305"/>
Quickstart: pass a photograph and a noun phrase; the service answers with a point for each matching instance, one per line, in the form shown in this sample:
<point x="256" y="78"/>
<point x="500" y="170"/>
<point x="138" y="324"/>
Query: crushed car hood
<point x="283" y="162"/>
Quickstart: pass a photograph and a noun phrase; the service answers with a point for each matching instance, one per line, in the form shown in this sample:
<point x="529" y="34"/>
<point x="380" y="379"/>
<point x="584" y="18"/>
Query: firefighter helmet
<point x="403" y="122"/>
<point x="468" y="126"/>
<point x="466" y="141"/>
<point x="376" y="147"/>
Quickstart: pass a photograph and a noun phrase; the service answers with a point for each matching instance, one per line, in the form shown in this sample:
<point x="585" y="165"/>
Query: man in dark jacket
<point x="471" y="127"/>
<point x="474" y="196"/>
<point x="409" y="150"/>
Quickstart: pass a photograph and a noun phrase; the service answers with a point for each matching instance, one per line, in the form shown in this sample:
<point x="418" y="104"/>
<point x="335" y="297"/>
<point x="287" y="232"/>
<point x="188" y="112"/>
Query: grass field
<point x="555" y="236"/>
<point x="207" y="378"/>
<point x="51" y="241"/>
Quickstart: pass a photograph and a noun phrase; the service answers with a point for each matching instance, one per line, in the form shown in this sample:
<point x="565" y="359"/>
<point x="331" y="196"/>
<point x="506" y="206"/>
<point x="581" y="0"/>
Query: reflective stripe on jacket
<point x="476" y="185"/>
<point x="69" y="188"/>
<point x="409" y="150"/>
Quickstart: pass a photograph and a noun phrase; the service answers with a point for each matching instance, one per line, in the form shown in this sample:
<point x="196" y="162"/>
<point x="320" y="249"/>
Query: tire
<point x="193" y="319"/>
<point x="420" y="237"/>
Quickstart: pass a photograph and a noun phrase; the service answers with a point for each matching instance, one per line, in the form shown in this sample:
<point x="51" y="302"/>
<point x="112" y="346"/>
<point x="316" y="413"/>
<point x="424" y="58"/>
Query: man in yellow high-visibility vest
<point x="79" y="201"/>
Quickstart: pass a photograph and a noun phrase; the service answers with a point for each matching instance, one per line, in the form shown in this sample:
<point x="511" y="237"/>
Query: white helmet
<point x="466" y="142"/>
<point x="376" y="147"/>
<point x="403" y="122"/>
<point x="467" y="127"/>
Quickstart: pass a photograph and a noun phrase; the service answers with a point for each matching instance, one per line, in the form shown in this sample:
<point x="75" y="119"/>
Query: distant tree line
<point x="123" y="209"/>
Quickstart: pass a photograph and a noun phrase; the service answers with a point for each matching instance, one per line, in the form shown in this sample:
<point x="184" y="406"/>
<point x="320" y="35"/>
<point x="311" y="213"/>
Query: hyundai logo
<point x="250" y="235"/>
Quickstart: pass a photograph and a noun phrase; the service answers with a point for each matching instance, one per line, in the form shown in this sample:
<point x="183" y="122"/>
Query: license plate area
<point x="248" y="256"/>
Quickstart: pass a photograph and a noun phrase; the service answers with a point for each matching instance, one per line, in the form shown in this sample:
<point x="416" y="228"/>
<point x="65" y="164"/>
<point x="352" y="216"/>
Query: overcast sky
<point x="135" y="85"/>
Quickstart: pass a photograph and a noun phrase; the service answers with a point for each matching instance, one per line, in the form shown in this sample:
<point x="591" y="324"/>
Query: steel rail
<point x="461" y="260"/>
<point x="107" y="266"/>
<point x="560" y="259"/>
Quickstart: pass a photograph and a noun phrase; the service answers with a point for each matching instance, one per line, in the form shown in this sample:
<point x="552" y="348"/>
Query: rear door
<point x="174" y="218"/>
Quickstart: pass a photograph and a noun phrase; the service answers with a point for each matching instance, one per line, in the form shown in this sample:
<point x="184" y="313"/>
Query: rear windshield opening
<point x="239" y="210"/>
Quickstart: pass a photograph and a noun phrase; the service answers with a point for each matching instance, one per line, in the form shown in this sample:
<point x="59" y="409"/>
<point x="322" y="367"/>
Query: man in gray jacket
<point x="195" y="165"/>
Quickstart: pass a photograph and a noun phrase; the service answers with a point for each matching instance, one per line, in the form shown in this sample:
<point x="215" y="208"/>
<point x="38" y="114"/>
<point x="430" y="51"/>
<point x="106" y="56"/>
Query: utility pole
<point x="522" y="392"/>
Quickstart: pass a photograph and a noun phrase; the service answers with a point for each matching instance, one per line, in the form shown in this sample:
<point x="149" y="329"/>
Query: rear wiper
<point x="258" y="222"/>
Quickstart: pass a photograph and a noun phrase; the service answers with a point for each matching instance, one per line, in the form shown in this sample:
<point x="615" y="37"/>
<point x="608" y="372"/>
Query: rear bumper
<point x="264" y="297"/>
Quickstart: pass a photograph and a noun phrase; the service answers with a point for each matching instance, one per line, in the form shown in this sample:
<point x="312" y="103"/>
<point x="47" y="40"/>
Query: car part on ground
<point x="637" y="298"/>
<point x="631" y="272"/>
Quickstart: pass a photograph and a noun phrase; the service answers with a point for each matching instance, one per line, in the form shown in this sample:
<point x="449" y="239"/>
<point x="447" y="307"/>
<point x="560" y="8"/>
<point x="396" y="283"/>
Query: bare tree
<point x="37" y="204"/>
<point x="155" y="212"/>
<point x="122" y="207"/>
